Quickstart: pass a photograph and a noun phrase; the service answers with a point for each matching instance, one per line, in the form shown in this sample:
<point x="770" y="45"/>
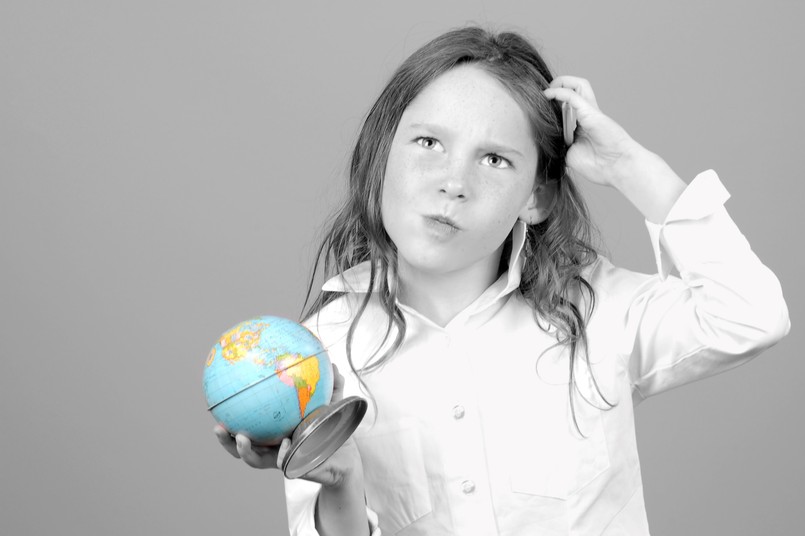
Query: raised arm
<point x="725" y="307"/>
<point x="604" y="153"/>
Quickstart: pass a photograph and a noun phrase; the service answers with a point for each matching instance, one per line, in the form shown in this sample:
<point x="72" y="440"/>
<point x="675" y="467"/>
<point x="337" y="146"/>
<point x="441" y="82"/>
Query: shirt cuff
<point x="307" y="522"/>
<point x="703" y="197"/>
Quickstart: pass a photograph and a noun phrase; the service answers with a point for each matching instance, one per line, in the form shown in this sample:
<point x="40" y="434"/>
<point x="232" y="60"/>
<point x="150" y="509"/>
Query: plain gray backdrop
<point x="165" y="170"/>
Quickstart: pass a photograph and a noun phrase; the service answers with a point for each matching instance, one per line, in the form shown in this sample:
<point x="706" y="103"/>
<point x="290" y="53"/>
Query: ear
<point x="540" y="203"/>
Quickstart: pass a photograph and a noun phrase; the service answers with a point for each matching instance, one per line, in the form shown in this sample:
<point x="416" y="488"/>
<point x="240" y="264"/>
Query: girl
<point x="502" y="354"/>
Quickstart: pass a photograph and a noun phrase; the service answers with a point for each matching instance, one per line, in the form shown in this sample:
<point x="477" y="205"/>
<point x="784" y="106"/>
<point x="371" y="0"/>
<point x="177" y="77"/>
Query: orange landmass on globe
<point x="301" y="373"/>
<point x="238" y="341"/>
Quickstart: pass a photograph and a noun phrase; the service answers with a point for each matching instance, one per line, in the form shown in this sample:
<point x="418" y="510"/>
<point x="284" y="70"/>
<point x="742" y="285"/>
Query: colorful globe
<point x="264" y="376"/>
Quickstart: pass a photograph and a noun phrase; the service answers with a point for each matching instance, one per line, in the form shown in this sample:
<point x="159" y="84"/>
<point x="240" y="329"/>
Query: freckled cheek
<point x="411" y="171"/>
<point x="403" y="180"/>
<point x="396" y="200"/>
<point x="505" y="207"/>
<point x="393" y="192"/>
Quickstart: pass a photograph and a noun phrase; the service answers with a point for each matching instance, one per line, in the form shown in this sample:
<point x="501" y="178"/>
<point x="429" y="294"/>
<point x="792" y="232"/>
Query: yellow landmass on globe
<point x="301" y="373"/>
<point x="236" y="343"/>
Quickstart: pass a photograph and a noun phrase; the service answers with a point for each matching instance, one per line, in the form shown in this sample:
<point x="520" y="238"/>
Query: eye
<point x="429" y="143"/>
<point x="496" y="161"/>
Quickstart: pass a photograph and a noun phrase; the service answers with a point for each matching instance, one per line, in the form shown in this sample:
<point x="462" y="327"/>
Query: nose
<point x="453" y="189"/>
<point x="453" y="183"/>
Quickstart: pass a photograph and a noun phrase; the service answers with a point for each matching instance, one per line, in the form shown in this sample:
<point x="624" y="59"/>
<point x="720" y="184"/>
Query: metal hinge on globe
<point x="270" y="378"/>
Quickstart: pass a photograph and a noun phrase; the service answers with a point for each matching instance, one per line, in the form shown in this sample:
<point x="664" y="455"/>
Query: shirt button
<point x="458" y="412"/>
<point x="468" y="486"/>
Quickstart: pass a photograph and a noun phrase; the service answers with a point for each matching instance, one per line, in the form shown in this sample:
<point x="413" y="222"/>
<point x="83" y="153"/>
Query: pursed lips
<point x="444" y="220"/>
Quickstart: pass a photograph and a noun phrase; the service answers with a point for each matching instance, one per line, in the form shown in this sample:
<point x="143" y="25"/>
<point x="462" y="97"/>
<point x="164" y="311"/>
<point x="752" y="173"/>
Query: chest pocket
<point x="559" y="465"/>
<point x="549" y="457"/>
<point x="395" y="479"/>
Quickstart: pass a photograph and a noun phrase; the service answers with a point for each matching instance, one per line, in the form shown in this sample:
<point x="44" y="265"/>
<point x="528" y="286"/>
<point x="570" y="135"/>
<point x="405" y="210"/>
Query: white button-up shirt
<point x="470" y="432"/>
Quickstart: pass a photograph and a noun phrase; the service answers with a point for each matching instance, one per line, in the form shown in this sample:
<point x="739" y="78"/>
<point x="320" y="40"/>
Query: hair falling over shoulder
<point x="557" y="250"/>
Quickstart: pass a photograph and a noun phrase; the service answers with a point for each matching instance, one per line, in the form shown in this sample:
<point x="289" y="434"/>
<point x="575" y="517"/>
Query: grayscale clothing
<point x="473" y="433"/>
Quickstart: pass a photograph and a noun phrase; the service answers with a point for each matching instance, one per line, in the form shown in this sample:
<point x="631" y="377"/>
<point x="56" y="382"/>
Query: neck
<point x="441" y="296"/>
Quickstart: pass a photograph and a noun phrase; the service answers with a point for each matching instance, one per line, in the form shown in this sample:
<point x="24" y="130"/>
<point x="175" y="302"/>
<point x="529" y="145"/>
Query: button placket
<point x="458" y="412"/>
<point x="468" y="492"/>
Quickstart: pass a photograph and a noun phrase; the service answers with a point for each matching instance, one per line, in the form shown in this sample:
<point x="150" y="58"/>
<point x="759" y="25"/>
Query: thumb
<point x="338" y="385"/>
<point x="285" y="446"/>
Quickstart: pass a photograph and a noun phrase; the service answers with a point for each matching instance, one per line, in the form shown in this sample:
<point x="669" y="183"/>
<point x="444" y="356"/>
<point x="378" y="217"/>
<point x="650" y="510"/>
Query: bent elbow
<point x="771" y="315"/>
<point x="743" y="329"/>
<point x="774" y="326"/>
<point x="764" y="327"/>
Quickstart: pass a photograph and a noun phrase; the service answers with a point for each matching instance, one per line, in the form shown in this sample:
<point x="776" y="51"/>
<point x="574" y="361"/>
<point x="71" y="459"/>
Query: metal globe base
<point x="321" y="433"/>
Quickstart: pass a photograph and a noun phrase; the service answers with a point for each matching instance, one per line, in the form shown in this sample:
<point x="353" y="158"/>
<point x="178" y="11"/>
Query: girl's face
<point x="460" y="171"/>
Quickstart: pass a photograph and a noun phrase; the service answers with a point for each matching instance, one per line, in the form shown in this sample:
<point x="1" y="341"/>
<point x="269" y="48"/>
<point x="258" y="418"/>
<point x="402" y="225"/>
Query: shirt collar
<point x="356" y="279"/>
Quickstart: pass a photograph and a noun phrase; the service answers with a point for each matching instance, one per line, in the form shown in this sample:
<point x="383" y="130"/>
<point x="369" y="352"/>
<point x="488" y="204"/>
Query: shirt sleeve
<point x="724" y="307"/>
<point x="300" y="498"/>
<point x="301" y="495"/>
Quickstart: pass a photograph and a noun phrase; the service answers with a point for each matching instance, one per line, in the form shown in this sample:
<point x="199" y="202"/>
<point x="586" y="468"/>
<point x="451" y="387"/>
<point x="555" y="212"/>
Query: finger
<point x="226" y="440"/>
<point x="579" y="85"/>
<point x="258" y="457"/>
<point x="579" y="103"/>
<point x="285" y="446"/>
<point x="244" y="445"/>
<point x="338" y="385"/>
<point x="576" y="83"/>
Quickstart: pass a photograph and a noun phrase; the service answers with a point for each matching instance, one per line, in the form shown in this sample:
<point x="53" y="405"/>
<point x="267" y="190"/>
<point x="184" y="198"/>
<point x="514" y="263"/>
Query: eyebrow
<point x="491" y="146"/>
<point x="499" y="148"/>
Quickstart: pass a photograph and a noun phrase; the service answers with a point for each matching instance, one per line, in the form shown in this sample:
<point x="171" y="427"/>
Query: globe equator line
<point x="247" y="387"/>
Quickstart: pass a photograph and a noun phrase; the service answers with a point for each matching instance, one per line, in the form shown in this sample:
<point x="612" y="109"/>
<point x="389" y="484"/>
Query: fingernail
<point x="240" y="443"/>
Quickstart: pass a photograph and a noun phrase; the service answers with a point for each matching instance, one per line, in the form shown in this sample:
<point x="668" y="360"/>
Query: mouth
<point x="443" y="221"/>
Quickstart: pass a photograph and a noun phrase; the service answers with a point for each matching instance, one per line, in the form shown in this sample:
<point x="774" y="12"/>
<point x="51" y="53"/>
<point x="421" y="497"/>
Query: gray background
<point x="165" y="168"/>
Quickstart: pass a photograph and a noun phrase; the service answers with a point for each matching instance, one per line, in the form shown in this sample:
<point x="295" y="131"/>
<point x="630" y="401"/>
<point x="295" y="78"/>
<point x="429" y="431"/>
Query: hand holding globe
<point x="343" y="464"/>
<point x="268" y="378"/>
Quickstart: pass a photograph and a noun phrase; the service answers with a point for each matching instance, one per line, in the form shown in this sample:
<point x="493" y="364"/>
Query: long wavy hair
<point x="556" y="250"/>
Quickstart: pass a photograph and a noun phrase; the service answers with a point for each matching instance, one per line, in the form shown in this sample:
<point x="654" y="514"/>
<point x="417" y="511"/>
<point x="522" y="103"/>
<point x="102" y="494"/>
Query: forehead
<point x="468" y="97"/>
